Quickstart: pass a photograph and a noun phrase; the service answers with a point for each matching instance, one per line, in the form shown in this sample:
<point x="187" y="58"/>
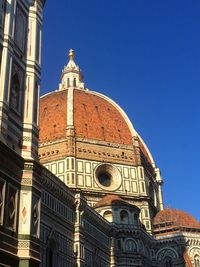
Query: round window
<point x="108" y="177"/>
<point x="105" y="179"/>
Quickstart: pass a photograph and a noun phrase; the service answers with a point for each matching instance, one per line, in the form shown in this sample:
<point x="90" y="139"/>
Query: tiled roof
<point x="110" y="200"/>
<point x="53" y="116"/>
<point x="94" y="118"/>
<point x="173" y="218"/>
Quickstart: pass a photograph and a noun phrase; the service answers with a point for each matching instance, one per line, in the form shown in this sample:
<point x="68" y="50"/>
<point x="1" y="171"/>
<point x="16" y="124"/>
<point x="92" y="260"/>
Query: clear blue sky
<point x="145" y="55"/>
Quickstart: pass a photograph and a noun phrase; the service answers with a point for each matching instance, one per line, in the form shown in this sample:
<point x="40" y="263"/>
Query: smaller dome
<point x="173" y="218"/>
<point x="113" y="200"/>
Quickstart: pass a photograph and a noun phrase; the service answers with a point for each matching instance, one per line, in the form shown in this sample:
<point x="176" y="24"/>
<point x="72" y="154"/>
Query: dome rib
<point x="95" y="118"/>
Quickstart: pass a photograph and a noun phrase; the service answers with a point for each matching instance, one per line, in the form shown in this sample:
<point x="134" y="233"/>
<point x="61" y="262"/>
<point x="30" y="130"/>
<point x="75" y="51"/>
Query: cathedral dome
<point x="88" y="115"/>
<point x="94" y="117"/>
<point x="88" y="141"/>
<point x="173" y="219"/>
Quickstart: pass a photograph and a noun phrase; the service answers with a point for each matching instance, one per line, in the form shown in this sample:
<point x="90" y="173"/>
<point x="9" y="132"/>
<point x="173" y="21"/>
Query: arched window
<point x="130" y="245"/>
<point x="108" y="215"/>
<point x="167" y="255"/>
<point x="197" y="261"/>
<point x="168" y="262"/>
<point x="15" y="93"/>
<point x="124" y="217"/>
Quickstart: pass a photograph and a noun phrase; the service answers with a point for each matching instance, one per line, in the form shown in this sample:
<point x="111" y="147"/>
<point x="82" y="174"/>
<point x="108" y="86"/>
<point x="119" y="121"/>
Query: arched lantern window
<point x="74" y="82"/>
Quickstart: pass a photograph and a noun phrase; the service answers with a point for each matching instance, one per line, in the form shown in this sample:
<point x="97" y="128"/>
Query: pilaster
<point x="160" y="183"/>
<point x="33" y="73"/>
<point x="78" y="235"/>
<point x="6" y="67"/>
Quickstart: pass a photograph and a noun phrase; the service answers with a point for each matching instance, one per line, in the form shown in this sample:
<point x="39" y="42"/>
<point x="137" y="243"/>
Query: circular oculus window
<point x="108" y="177"/>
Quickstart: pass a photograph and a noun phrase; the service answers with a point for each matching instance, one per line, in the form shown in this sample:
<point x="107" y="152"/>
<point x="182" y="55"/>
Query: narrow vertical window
<point x="15" y="93"/>
<point x="37" y="49"/>
<point x="20" y="30"/>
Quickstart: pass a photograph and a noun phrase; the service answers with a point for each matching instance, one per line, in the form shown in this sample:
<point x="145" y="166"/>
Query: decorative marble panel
<point x="126" y="172"/>
<point x="133" y="173"/>
<point x="134" y="187"/>
<point x="88" y="180"/>
<point x="54" y="168"/>
<point x="87" y="167"/>
<point x="61" y="167"/>
<point x="80" y="180"/>
<point x="127" y="185"/>
<point x="80" y="166"/>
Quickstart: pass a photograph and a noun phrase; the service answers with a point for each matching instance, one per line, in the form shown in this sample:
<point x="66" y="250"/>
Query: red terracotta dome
<point x="88" y="116"/>
<point x="94" y="118"/>
<point x="53" y="116"/>
<point x="173" y="218"/>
